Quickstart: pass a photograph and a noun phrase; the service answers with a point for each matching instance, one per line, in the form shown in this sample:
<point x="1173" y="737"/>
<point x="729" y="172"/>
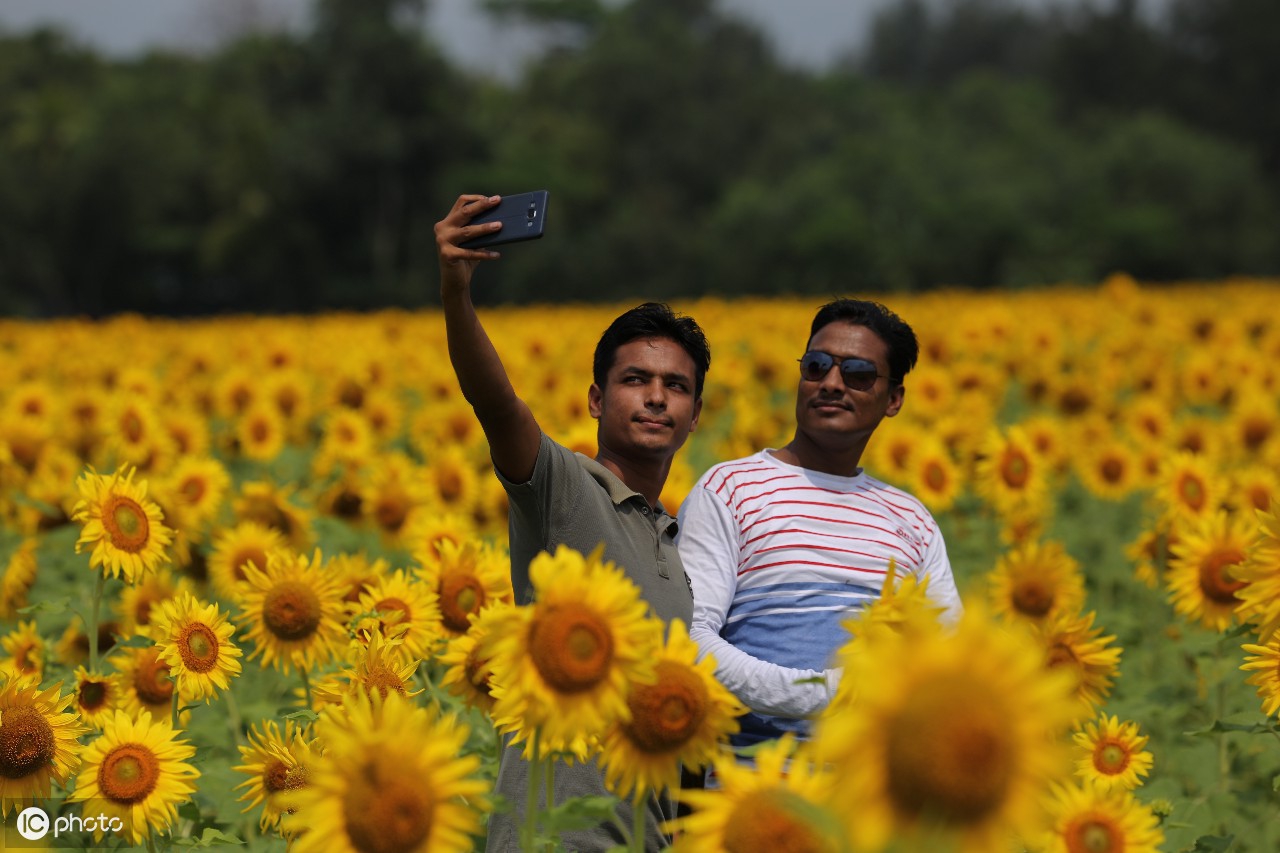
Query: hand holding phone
<point x="523" y="217"/>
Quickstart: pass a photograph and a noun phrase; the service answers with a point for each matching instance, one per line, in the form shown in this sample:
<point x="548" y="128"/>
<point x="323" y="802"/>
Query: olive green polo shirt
<point x="575" y="501"/>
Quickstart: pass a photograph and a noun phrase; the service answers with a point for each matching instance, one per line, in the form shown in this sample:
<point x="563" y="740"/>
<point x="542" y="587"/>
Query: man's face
<point x="826" y="409"/>
<point x="647" y="407"/>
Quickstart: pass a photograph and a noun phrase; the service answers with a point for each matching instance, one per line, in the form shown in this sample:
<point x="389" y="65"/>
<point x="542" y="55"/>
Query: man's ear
<point x="595" y="400"/>
<point x="896" y="397"/>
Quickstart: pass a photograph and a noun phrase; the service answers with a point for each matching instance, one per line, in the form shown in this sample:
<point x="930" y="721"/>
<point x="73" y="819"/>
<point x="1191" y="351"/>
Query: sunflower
<point x="1260" y="575"/>
<point x="402" y="608"/>
<point x="466" y="580"/>
<point x="275" y="762"/>
<point x="562" y="665"/>
<point x="453" y="478"/>
<point x="194" y="639"/>
<point x="137" y="603"/>
<point x="19" y="577"/>
<point x="97" y="696"/>
<point x="1256" y="487"/>
<point x="1264" y="663"/>
<point x="1036" y="581"/>
<point x="395" y="491"/>
<point x="25" y="651"/>
<point x="934" y="476"/>
<point x="264" y="503"/>
<point x="136" y="770"/>
<point x="236" y="549"/>
<point x="679" y="720"/>
<point x="348" y="441"/>
<point x="1010" y="474"/>
<point x="467" y="671"/>
<point x="148" y="686"/>
<point x="1150" y="553"/>
<point x="135" y="434"/>
<point x="768" y="806"/>
<point x="1202" y="582"/>
<point x="1090" y="820"/>
<point x="377" y="666"/>
<point x="73" y="646"/>
<point x="260" y="432"/>
<point x="427" y="532"/>
<point x="959" y="737"/>
<point x="1187" y="486"/>
<point x="393" y="776"/>
<point x="1071" y="644"/>
<point x="355" y="574"/>
<point x="195" y="490"/>
<point x="187" y="431"/>
<point x="37" y="741"/>
<point x="124" y="528"/>
<point x="1110" y="754"/>
<point x="292" y="611"/>
<point x="1109" y="469"/>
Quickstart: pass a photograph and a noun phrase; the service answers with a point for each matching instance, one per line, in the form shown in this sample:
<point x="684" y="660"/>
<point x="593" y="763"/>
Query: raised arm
<point x="508" y="424"/>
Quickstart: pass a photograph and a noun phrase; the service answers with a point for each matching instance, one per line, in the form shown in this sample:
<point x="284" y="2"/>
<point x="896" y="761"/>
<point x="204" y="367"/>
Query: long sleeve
<point x="709" y="542"/>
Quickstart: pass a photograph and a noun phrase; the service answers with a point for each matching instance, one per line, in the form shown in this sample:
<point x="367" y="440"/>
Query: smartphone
<point x="523" y="217"/>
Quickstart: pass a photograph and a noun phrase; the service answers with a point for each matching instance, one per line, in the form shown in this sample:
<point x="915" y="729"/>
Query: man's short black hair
<point x="898" y="337"/>
<point x="653" y="320"/>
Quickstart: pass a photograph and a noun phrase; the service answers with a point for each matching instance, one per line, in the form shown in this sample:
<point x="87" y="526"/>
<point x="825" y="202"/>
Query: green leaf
<point x="1212" y="844"/>
<point x="1221" y="727"/>
<point x="305" y="714"/>
<point x="580" y="813"/>
<point x="61" y="605"/>
<point x="815" y="679"/>
<point x="208" y="838"/>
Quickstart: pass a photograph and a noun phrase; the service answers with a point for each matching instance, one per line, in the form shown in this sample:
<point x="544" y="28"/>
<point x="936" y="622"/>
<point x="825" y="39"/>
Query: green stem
<point x="234" y="720"/>
<point x="306" y="685"/>
<point x="637" y="821"/>
<point x="1224" y="757"/>
<point x="92" y="628"/>
<point x="176" y="693"/>
<point x="529" y="831"/>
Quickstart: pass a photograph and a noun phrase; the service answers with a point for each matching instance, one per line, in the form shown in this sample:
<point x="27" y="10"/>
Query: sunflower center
<point x="477" y="670"/>
<point x="193" y="489"/>
<point x="956" y="766"/>
<point x="385" y="810"/>
<point x="1192" y="492"/>
<point x="761" y="820"/>
<point x="665" y="715"/>
<point x="126" y="523"/>
<point x="449" y="484"/>
<point x="1061" y="654"/>
<point x="1112" y="470"/>
<point x="131" y="426"/>
<point x="93" y="695"/>
<point x="571" y="647"/>
<point x="129" y="773"/>
<point x="151" y="679"/>
<point x="26" y="743"/>
<point x="1215" y="577"/>
<point x="1032" y="598"/>
<point x="461" y="595"/>
<point x="391" y="512"/>
<point x="1110" y="758"/>
<point x="198" y="646"/>
<point x="394" y="611"/>
<point x="935" y="477"/>
<point x="291" y="610"/>
<point x="244" y="557"/>
<point x="1014" y="469"/>
<point x="384" y="680"/>
<point x="275" y="775"/>
<point x="1093" y="836"/>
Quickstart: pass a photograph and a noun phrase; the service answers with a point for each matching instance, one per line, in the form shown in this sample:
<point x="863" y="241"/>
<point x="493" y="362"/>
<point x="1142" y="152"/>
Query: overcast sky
<point x="809" y="33"/>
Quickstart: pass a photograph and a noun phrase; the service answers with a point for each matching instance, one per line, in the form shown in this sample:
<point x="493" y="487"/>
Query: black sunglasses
<point x="857" y="373"/>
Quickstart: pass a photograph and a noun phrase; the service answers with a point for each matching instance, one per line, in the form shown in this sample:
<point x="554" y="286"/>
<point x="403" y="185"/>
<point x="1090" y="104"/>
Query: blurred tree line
<point x="973" y="142"/>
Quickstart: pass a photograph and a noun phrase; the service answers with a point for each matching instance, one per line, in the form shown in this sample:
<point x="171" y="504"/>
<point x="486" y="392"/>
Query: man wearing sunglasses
<point x="785" y="545"/>
<point x="648" y="371"/>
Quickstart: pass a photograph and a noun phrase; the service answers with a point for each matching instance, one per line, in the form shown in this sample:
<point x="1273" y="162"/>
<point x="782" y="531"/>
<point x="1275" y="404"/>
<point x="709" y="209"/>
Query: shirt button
<point x="644" y="509"/>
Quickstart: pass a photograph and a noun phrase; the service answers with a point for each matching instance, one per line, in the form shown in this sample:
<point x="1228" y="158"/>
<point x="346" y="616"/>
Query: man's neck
<point x="840" y="461"/>
<point x="644" y="476"/>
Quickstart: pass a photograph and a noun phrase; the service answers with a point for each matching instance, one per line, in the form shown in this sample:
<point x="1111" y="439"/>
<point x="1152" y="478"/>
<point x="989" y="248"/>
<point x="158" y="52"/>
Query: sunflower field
<point x="255" y="586"/>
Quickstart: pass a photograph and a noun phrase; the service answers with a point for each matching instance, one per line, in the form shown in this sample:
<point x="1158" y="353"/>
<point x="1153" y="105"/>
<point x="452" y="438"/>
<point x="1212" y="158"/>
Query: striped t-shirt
<point x="779" y="556"/>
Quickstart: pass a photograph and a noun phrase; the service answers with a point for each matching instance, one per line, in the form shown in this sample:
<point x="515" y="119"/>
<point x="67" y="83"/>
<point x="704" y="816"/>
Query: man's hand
<point x="457" y="265"/>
